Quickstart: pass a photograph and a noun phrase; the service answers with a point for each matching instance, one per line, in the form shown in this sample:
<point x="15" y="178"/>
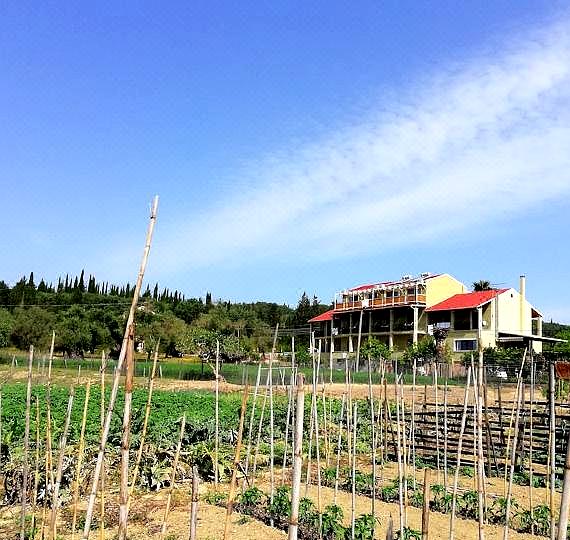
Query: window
<point x="462" y="345"/>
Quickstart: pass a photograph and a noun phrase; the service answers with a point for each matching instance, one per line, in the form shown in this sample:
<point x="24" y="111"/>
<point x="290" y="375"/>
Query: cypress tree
<point x="81" y="282"/>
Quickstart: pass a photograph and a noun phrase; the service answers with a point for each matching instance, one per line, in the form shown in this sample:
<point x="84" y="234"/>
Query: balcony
<point x="382" y="302"/>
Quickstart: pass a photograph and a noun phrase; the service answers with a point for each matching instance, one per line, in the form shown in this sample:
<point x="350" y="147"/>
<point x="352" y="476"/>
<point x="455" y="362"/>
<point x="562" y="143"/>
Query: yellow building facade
<point x="401" y="312"/>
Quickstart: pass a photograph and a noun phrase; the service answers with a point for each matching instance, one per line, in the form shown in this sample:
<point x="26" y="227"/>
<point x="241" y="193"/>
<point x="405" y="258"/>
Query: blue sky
<point x="294" y="147"/>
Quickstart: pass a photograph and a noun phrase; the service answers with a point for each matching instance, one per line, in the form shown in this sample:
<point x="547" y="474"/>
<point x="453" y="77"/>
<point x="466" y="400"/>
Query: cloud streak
<point x="478" y="142"/>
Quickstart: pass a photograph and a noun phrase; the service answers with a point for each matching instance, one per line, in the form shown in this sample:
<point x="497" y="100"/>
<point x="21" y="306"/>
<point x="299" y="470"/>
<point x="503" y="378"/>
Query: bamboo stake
<point x="459" y="447"/>
<point x="413" y="422"/>
<point x="272" y="421"/>
<point x="287" y="422"/>
<point x="126" y="437"/>
<point x="565" y="500"/>
<point x="353" y="491"/>
<point x="373" y="435"/>
<point x="152" y="376"/>
<point x="1" y="439"/>
<point x="437" y="445"/>
<point x="62" y="444"/>
<point x="26" y="445"/>
<point x="311" y="429"/>
<point x="404" y="446"/>
<point x="81" y="451"/>
<point x="230" y="506"/>
<point x="317" y="440"/>
<point x="116" y="378"/>
<point x="252" y="418"/>
<point x="399" y="457"/>
<point x="480" y="458"/>
<point x="49" y="422"/>
<point x="552" y="449"/>
<point x="194" y="505"/>
<point x="102" y="484"/>
<point x="52" y="345"/>
<point x="445" y="475"/>
<point x="325" y="424"/>
<point x="519" y="382"/>
<point x="297" y="459"/>
<point x="339" y="445"/>
<point x="217" y="418"/>
<point x="259" y="429"/>
<point x="37" y="467"/>
<point x="530" y="449"/>
<point x="513" y="463"/>
<point x="48" y="463"/>
<point x="172" y="479"/>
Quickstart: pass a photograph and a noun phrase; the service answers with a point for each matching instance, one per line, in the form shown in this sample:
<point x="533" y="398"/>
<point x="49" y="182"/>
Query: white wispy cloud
<point x="475" y="143"/>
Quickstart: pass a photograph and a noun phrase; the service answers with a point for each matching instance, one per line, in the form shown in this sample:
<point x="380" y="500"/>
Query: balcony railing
<point x="400" y="300"/>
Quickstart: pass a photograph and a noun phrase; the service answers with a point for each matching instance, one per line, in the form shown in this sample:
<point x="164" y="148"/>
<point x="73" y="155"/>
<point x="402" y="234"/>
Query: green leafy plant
<point x="280" y="507"/>
<point x="332" y="522"/>
<point x="442" y="500"/>
<point x="469" y="504"/>
<point x="409" y="534"/>
<point x="251" y="497"/>
<point x="363" y="527"/>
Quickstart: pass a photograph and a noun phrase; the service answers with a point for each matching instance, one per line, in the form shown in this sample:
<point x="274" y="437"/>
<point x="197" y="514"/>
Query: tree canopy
<point x="88" y="315"/>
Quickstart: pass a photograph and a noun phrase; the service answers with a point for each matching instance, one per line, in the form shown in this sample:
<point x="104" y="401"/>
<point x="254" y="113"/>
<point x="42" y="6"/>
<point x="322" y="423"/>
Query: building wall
<point x="487" y="339"/>
<point x="442" y="287"/>
<point x="509" y="307"/>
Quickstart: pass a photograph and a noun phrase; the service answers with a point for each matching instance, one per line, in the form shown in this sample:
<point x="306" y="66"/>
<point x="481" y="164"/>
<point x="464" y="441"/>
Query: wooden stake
<point x="258" y="442"/>
<point x="152" y="376"/>
<point x="445" y="434"/>
<point x="194" y="505"/>
<point x="126" y="437"/>
<point x="81" y="451"/>
<point x="480" y="458"/>
<point x="252" y="418"/>
<point x="339" y="446"/>
<point x="272" y="421"/>
<point x="353" y="493"/>
<point x="373" y="436"/>
<point x="62" y="444"/>
<point x="172" y="478"/>
<point x="565" y="500"/>
<point x="116" y="378"/>
<point x="437" y="446"/>
<point x="552" y="449"/>
<point x="287" y="422"/>
<point x="26" y="445"/>
<point x="425" y="510"/>
<point x="37" y="466"/>
<point x="297" y="459"/>
<point x="513" y="463"/>
<point x="102" y="484"/>
<point x="231" y="493"/>
<point x="531" y="443"/>
<point x="217" y="418"/>
<point x="459" y="447"/>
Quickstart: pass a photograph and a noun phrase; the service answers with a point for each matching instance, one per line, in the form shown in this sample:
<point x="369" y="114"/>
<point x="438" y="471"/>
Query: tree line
<point x="89" y="316"/>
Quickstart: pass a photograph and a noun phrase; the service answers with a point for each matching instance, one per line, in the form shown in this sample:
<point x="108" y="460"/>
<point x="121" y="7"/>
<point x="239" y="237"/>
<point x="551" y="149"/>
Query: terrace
<point x="382" y="295"/>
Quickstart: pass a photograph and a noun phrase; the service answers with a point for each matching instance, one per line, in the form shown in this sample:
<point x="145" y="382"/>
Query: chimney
<point x="522" y="291"/>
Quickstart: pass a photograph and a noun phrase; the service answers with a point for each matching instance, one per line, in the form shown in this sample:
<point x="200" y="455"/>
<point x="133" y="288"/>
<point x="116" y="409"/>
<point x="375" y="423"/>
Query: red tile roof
<point x="467" y="300"/>
<point x="326" y="316"/>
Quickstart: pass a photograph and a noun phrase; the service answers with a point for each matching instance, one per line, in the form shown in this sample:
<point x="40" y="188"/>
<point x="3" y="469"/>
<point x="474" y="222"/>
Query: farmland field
<point x="266" y="456"/>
